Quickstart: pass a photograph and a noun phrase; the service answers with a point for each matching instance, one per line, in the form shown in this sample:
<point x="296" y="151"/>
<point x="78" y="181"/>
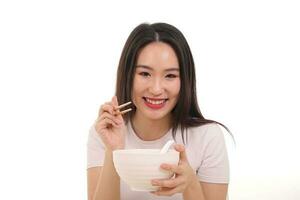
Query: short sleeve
<point x="214" y="167"/>
<point x="95" y="149"/>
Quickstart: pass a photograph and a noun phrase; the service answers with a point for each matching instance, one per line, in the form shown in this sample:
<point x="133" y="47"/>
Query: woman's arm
<point x="214" y="191"/>
<point x="104" y="184"/>
<point x="205" y="191"/>
<point x="93" y="174"/>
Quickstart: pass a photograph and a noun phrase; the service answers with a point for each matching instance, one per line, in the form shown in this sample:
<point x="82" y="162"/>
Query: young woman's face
<point x="156" y="82"/>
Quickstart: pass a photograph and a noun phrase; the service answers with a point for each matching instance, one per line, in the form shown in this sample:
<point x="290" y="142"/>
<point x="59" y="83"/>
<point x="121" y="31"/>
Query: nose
<point x="156" y="87"/>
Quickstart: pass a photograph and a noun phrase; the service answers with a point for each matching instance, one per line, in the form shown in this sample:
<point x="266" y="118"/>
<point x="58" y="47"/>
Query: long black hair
<point x="186" y="113"/>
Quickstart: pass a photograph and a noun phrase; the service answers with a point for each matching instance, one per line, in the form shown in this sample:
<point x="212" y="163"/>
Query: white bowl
<point x="137" y="167"/>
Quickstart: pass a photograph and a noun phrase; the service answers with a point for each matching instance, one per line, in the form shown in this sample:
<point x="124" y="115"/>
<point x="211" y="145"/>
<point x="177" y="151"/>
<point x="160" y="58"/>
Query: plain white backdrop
<point x="58" y="62"/>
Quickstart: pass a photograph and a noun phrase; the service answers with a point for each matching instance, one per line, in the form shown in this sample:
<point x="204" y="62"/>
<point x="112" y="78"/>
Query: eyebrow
<point x="150" y="68"/>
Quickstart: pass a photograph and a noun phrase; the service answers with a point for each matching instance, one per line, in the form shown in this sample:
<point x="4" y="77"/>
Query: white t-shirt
<point x="205" y="149"/>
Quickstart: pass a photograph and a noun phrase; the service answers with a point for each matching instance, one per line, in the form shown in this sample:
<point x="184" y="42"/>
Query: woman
<point x="156" y="73"/>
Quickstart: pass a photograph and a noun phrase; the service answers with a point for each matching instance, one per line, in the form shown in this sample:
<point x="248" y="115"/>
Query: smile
<point x="155" y="104"/>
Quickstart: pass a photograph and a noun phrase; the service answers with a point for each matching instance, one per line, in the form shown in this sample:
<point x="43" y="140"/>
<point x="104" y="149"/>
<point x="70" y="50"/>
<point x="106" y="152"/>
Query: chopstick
<point x="125" y="111"/>
<point x="122" y="106"/>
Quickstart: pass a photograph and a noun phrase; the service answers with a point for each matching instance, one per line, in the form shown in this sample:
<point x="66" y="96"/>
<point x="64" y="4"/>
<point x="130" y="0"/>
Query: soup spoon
<point x="166" y="147"/>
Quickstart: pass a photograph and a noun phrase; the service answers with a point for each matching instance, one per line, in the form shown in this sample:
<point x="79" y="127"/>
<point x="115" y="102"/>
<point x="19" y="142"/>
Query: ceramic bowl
<point x="137" y="167"/>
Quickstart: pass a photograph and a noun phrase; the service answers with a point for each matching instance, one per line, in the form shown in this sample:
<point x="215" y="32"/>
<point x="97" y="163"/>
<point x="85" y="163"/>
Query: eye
<point x="171" y="76"/>
<point x="144" y="74"/>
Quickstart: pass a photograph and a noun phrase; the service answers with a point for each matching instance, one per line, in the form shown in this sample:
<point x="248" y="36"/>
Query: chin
<point x="156" y="116"/>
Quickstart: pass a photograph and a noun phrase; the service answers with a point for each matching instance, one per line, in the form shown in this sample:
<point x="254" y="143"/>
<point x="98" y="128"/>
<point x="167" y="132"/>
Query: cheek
<point x="137" y="87"/>
<point x="139" y="81"/>
<point x="140" y="84"/>
<point x="176" y="88"/>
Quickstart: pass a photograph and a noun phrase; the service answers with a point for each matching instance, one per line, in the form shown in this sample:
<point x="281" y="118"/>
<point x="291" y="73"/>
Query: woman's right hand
<point x="110" y="126"/>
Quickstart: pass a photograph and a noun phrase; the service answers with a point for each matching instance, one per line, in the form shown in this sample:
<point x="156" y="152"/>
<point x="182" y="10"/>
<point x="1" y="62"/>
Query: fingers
<point x="168" y="187"/>
<point x="106" y="107"/>
<point x="168" y="183"/>
<point x="182" y="156"/>
<point x="111" y="107"/>
<point x="106" y="123"/>
<point x="106" y="120"/>
<point x="168" y="191"/>
<point x="114" y="101"/>
<point x="109" y="116"/>
<point x="173" y="168"/>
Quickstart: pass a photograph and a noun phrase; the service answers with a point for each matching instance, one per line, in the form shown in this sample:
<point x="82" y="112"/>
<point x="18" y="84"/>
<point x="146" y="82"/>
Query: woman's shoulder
<point x="205" y="132"/>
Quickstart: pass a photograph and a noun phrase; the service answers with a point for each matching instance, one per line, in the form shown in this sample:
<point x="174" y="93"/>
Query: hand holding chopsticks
<point x="110" y="124"/>
<point x="122" y="106"/>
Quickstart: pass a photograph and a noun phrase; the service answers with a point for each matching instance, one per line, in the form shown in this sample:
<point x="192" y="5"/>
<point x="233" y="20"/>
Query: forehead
<point x="158" y="54"/>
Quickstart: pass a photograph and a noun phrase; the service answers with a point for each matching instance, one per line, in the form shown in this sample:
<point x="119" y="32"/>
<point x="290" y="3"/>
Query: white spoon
<point x="166" y="147"/>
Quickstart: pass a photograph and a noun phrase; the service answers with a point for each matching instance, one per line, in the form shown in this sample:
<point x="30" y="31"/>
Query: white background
<point x="58" y="64"/>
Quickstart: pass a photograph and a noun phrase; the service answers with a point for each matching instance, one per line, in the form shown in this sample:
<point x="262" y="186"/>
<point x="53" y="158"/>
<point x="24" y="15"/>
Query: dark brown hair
<point x="186" y="113"/>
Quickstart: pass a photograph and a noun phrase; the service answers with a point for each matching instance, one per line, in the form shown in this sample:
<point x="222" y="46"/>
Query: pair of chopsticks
<point x="122" y="106"/>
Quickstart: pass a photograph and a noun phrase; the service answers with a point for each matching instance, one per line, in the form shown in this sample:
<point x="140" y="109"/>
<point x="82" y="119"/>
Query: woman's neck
<point x="148" y="129"/>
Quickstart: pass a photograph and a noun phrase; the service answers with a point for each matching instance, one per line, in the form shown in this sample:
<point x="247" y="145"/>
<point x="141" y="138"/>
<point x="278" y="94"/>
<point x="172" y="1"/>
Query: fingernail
<point x="165" y="166"/>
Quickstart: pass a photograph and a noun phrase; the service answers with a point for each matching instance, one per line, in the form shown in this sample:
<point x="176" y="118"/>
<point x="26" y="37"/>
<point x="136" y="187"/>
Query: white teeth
<point x="154" y="102"/>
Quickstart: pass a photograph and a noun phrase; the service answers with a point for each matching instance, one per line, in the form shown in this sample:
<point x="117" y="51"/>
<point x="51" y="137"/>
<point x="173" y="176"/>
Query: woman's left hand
<point x="184" y="176"/>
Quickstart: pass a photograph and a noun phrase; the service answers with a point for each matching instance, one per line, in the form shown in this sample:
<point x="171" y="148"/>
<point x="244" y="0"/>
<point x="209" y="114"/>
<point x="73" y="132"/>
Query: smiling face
<point x="156" y="82"/>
